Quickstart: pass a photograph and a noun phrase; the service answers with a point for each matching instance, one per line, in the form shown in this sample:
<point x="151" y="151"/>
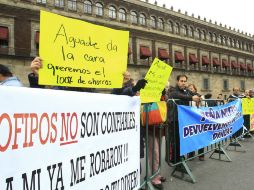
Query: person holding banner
<point x="183" y="96"/>
<point x="36" y="64"/>
<point x="7" y="78"/>
<point x="236" y="95"/>
<point x="246" y="117"/>
<point x="194" y="90"/>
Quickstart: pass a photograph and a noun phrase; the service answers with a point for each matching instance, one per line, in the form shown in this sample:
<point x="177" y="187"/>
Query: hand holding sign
<point x="140" y="85"/>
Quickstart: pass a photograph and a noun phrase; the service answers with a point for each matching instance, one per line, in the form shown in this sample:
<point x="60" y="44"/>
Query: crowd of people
<point x="183" y="93"/>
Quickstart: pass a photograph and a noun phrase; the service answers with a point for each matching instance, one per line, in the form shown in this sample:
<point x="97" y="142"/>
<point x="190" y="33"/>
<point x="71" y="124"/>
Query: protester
<point x="246" y="118"/>
<point x="194" y="90"/>
<point x="130" y="89"/>
<point x="208" y="101"/>
<point x="127" y="82"/>
<point x="246" y="94"/>
<point x="185" y="96"/>
<point x="153" y="149"/>
<point x="7" y="78"/>
<point x="220" y="100"/>
<point x="236" y="95"/>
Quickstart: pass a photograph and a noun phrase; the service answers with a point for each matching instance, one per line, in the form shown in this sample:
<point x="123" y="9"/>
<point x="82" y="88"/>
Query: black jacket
<point x="233" y="97"/>
<point x="184" y="97"/>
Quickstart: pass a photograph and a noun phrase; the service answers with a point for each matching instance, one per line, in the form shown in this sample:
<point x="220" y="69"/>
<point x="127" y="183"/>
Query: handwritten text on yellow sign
<point x="81" y="54"/>
<point x="157" y="77"/>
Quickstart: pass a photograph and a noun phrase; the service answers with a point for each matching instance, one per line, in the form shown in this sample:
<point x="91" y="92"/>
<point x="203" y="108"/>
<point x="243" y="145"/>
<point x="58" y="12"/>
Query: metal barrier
<point x="172" y="143"/>
<point x="172" y="155"/>
<point x="148" y="178"/>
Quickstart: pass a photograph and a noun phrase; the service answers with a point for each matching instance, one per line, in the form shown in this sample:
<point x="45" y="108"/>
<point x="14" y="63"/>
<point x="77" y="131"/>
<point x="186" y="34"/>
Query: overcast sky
<point x="238" y="14"/>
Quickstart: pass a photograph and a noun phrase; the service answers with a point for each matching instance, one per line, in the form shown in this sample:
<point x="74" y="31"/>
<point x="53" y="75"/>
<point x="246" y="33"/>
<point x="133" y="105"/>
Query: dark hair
<point x="5" y="71"/>
<point x="208" y="96"/>
<point x="180" y="76"/>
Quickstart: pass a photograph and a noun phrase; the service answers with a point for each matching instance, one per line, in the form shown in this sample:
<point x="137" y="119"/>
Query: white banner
<point x="52" y="139"/>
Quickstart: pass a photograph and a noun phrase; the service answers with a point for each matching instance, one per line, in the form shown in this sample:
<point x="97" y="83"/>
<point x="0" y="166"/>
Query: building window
<point x="142" y="19"/>
<point x="237" y="44"/>
<point x="4" y="37"/>
<point x="177" y="28"/>
<point x="210" y="37"/>
<point x="242" y="85"/>
<point x="191" y="32"/>
<point x="41" y="1"/>
<point x="153" y="22"/>
<point x="206" y="85"/>
<point x="240" y="45"/>
<point x="88" y="7"/>
<point x="170" y="26"/>
<point x="185" y="30"/>
<point x="233" y="43"/>
<point x="112" y="12"/>
<point x="134" y="18"/>
<point x="230" y="42"/>
<point x="214" y="38"/>
<point x="249" y="47"/>
<point x="199" y="34"/>
<point x="122" y="15"/>
<point x="221" y="40"/>
<point x="98" y="9"/>
<point x="225" y="84"/>
<point x="244" y="46"/>
<point x="203" y="35"/>
<point x="72" y="5"/>
<point x="59" y="3"/>
<point x="160" y="24"/>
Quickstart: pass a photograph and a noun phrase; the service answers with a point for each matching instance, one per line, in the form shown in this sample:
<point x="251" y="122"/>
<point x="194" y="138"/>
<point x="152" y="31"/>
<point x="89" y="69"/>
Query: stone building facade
<point x="215" y="57"/>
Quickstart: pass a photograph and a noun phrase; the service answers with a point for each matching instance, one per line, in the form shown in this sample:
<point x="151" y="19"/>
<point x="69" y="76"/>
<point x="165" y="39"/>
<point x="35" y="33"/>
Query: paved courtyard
<point x="217" y="175"/>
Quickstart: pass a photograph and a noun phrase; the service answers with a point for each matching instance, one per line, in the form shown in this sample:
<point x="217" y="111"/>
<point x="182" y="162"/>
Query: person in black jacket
<point x="183" y="96"/>
<point x="236" y="95"/>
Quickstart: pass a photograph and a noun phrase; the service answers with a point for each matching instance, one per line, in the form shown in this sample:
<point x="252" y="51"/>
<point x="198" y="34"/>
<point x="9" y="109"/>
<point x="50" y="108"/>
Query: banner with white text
<point x="52" y="139"/>
<point x="201" y="127"/>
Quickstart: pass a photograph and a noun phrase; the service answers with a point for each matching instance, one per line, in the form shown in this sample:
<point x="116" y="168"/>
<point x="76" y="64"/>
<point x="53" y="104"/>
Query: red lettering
<point x="65" y="127"/>
<point x="17" y="130"/>
<point x="26" y="116"/>
<point x="41" y="128"/>
<point x="53" y="139"/>
<point x="73" y="136"/>
<point x="7" y="117"/>
<point x="33" y="130"/>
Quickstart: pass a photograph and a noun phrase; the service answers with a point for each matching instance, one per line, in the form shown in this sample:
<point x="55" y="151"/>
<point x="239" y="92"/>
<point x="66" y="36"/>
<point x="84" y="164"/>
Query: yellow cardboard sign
<point x="157" y="77"/>
<point x="80" y="54"/>
<point x="248" y="106"/>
